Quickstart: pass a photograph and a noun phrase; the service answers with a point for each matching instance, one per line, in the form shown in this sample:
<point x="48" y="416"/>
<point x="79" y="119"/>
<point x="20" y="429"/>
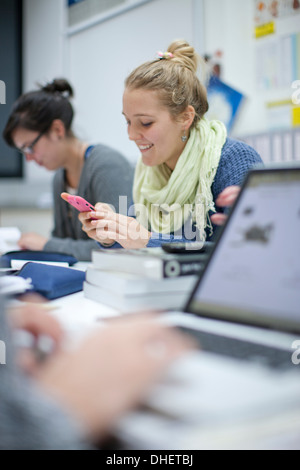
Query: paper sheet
<point x="9" y="237"/>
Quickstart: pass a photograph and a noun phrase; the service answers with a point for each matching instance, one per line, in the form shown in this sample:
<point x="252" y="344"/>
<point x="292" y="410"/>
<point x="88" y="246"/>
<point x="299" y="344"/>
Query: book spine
<point x="150" y="267"/>
<point x="175" y="268"/>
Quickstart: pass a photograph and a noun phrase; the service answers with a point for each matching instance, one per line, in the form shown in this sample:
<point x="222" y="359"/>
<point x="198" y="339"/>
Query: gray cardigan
<point x="106" y="175"/>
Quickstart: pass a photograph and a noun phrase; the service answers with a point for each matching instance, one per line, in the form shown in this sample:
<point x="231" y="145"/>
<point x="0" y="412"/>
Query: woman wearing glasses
<point x="39" y="126"/>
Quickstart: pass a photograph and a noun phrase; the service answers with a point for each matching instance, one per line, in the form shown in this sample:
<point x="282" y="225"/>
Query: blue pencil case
<point x="28" y="255"/>
<point x="53" y="282"/>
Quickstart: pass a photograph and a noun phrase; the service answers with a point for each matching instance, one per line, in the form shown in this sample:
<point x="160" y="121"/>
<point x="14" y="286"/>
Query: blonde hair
<point x="174" y="79"/>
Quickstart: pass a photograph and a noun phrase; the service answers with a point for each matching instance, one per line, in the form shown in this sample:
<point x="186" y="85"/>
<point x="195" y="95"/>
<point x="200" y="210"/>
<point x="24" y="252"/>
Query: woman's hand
<point x="225" y="199"/>
<point x="110" y="227"/>
<point x="86" y="219"/>
<point x="32" y="241"/>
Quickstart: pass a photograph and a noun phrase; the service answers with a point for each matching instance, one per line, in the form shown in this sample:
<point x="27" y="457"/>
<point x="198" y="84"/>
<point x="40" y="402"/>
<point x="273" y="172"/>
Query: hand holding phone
<point x="78" y="202"/>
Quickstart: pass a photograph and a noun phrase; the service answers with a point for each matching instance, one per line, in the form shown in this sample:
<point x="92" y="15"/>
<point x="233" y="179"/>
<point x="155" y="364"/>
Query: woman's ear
<point x="58" y="129"/>
<point x="188" y="116"/>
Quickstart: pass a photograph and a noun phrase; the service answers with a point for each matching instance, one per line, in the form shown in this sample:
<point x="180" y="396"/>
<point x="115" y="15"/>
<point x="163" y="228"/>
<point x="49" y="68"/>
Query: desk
<point x="204" y="401"/>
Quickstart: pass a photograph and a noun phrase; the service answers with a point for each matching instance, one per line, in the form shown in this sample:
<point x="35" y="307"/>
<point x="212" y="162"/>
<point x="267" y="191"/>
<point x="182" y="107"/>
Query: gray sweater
<point x="106" y="175"/>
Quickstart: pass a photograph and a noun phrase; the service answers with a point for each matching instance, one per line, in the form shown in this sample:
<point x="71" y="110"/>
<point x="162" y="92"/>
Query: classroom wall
<point x="43" y="54"/>
<point x="116" y="45"/>
<point x="114" y="48"/>
<point x="97" y="59"/>
<point x="119" y="44"/>
<point x="42" y="59"/>
<point x="229" y="27"/>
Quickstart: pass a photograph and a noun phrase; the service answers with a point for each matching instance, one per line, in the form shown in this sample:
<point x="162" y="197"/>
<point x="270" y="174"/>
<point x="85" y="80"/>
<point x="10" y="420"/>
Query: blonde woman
<point x="188" y="167"/>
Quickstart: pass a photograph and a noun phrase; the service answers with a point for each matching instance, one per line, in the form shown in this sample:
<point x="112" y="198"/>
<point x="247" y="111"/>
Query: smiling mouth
<point x="143" y="148"/>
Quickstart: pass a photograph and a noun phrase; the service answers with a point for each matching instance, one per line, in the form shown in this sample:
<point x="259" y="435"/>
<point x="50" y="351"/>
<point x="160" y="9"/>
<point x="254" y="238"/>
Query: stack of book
<point x="133" y="280"/>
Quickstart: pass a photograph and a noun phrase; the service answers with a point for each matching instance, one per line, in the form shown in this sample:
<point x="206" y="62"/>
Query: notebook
<point x="246" y="303"/>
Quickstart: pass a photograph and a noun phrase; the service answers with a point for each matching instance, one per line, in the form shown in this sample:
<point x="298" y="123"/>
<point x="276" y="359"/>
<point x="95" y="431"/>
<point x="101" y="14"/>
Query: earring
<point x="184" y="137"/>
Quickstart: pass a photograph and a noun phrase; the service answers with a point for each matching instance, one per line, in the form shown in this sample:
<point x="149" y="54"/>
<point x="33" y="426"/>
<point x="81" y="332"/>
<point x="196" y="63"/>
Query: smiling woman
<point x="152" y="128"/>
<point x="188" y="168"/>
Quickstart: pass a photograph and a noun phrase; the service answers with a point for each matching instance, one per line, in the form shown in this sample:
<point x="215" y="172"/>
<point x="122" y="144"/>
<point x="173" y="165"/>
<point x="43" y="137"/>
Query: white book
<point x="134" y="284"/>
<point x="9" y="237"/>
<point x="149" y="262"/>
<point x="12" y="285"/>
<point x="134" y="303"/>
<point x="19" y="263"/>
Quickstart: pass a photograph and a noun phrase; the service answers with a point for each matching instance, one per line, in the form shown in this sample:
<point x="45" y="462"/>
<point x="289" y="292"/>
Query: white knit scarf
<point x="164" y="200"/>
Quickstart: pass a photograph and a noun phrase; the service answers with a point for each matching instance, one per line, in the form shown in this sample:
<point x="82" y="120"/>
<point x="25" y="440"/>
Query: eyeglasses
<point x="29" y="148"/>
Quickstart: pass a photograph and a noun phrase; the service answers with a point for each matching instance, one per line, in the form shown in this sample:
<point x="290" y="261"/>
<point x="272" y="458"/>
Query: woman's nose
<point x="133" y="133"/>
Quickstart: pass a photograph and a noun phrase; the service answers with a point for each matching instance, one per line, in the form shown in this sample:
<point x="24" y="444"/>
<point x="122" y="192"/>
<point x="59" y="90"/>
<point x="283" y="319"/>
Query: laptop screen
<point x="253" y="275"/>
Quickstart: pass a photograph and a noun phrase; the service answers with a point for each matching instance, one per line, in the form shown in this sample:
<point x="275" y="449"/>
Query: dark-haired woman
<point x="40" y="126"/>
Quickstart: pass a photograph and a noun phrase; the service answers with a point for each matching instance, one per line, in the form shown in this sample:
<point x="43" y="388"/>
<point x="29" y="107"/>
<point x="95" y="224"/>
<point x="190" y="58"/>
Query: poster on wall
<point x="277" y="62"/>
<point x="268" y="11"/>
<point x="224" y="102"/>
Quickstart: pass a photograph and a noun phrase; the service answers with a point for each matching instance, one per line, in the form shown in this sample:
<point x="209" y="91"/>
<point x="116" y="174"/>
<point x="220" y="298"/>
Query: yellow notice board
<point x="264" y="29"/>
<point x="268" y="12"/>
<point x="296" y="116"/>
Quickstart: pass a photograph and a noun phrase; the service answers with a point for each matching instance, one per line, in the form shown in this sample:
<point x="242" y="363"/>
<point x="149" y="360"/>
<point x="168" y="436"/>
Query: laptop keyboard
<point x="243" y="350"/>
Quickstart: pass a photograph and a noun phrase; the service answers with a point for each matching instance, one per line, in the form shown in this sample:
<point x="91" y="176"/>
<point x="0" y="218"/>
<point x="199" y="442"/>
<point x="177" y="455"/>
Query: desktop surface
<point x="204" y="401"/>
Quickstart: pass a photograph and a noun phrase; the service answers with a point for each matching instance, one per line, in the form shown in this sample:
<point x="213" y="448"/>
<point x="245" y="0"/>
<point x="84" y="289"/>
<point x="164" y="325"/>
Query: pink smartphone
<point x="78" y="202"/>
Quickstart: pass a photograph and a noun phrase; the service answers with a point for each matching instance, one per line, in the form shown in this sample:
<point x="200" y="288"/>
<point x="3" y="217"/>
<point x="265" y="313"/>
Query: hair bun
<point x="59" y="85"/>
<point x="184" y="54"/>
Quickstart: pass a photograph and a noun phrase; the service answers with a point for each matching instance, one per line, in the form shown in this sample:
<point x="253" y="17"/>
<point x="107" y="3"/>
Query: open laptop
<point x="246" y="303"/>
<point x="241" y="389"/>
